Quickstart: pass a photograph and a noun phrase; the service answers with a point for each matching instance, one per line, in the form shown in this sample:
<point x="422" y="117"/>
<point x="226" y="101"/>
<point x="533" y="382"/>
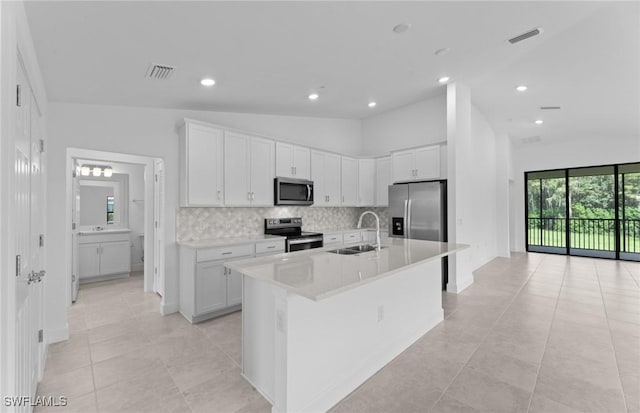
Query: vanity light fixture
<point x="207" y="81"/>
<point x="96" y="170"/>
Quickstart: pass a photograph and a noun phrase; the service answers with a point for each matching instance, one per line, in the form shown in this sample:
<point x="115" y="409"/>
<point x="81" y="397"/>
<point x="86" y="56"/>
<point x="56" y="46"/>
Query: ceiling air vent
<point x="525" y="36"/>
<point x="549" y="107"/>
<point x="161" y="72"/>
<point x="531" y="139"/>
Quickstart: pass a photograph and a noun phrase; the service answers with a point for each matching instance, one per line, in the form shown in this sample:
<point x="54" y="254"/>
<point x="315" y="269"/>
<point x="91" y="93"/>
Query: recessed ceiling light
<point x="539" y="121"/>
<point x="442" y="51"/>
<point x="207" y="81"/>
<point x="521" y="88"/>
<point x="372" y="104"/>
<point x="443" y="79"/>
<point x="401" y="28"/>
<point x="313" y="96"/>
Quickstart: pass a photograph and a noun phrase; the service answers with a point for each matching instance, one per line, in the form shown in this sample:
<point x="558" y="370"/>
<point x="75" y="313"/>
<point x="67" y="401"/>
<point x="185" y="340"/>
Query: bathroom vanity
<point x="104" y="254"/>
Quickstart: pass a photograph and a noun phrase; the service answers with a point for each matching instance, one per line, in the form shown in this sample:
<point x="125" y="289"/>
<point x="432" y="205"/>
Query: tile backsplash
<point x="193" y="224"/>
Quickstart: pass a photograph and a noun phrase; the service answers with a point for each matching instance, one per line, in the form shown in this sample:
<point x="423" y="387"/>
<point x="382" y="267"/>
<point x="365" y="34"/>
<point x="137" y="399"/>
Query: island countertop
<point x="317" y="274"/>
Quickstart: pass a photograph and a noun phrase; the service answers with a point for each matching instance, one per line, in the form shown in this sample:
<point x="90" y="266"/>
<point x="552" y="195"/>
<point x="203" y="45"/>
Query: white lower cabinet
<point x="207" y="288"/>
<point x="105" y="258"/>
<point x="211" y="287"/>
<point x="333" y="238"/>
<point x="352" y="237"/>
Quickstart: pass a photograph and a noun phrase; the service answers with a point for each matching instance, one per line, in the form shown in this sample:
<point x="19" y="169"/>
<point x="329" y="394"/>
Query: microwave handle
<point x="308" y="192"/>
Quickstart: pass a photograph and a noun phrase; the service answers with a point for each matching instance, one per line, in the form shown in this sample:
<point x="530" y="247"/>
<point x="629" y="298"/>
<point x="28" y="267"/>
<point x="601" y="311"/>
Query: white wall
<point x="153" y="133"/>
<point x="580" y="151"/>
<point x="418" y="124"/>
<point x="483" y="189"/>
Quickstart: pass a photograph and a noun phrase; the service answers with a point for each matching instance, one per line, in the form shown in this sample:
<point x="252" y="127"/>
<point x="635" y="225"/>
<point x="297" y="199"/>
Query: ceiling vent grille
<point x="525" y="36"/>
<point x="161" y="72"/>
<point x="530" y="140"/>
<point x="549" y="107"/>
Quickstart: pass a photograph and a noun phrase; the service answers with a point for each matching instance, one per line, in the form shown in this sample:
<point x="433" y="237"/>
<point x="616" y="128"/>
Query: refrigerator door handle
<point x="408" y="219"/>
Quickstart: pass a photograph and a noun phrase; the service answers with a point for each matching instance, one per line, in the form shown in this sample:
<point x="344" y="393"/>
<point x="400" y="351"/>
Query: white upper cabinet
<point x="366" y="182"/>
<point x="262" y="171"/>
<point x="201" y="165"/>
<point x="293" y="161"/>
<point x="325" y="174"/>
<point x="383" y="180"/>
<point x="349" y="181"/>
<point x="428" y="162"/>
<point x="249" y="170"/>
<point x="416" y="164"/>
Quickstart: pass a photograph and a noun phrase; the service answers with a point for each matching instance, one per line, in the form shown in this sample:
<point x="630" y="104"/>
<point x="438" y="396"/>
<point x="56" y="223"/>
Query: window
<point x="110" y="209"/>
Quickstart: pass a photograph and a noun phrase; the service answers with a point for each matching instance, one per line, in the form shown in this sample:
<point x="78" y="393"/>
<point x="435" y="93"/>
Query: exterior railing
<point x="585" y="233"/>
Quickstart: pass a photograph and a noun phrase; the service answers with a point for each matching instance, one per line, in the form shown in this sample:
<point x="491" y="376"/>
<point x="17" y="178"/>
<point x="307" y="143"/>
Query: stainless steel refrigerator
<point x="418" y="210"/>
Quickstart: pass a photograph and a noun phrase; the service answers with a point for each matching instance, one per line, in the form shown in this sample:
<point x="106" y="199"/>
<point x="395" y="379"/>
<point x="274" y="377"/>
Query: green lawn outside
<point x="604" y="242"/>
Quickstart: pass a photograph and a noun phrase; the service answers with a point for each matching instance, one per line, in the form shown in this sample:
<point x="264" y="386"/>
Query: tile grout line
<point x="546" y="343"/>
<point x="613" y="348"/>
<point x="484" y="338"/>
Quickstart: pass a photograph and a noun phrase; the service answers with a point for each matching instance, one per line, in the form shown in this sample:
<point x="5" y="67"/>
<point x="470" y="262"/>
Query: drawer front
<point x="270" y="247"/>
<point x="350" y="237"/>
<point x="332" y="239"/>
<point x="223" y="253"/>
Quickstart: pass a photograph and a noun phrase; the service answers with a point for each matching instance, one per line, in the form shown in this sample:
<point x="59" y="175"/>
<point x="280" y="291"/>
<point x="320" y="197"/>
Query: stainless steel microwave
<point x="291" y="191"/>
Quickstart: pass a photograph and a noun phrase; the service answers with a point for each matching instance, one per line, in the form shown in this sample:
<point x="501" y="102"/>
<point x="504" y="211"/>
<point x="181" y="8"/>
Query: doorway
<point x="588" y="211"/>
<point x="130" y="213"/>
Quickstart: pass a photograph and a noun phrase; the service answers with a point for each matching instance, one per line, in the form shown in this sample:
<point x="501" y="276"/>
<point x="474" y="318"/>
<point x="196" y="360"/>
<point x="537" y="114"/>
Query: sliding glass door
<point x="593" y="211"/>
<point x="629" y="211"/>
<point x="546" y="206"/>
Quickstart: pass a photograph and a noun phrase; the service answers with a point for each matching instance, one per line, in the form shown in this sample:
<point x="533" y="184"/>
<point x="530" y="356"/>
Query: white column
<point x="459" y="157"/>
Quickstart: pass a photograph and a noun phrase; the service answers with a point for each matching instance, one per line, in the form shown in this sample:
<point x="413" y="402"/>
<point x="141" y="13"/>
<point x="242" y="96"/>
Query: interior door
<point x="75" y="225"/>
<point x="28" y="193"/>
<point x="158" y="233"/>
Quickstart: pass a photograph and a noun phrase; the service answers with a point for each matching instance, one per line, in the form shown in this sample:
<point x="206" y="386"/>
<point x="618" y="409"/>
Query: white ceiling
<point x="267" y="57"/>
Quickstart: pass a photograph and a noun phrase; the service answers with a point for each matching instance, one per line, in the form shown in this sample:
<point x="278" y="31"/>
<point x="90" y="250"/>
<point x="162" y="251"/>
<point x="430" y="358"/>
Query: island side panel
<point x="258" y="335"/>
<point x="329" y="347"/>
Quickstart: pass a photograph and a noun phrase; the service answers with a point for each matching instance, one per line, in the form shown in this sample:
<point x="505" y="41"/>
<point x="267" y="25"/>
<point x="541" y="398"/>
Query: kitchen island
<point x="316" y="324"/>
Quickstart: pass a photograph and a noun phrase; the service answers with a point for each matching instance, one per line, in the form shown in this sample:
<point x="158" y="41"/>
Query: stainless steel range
<point x="291" y="228"/>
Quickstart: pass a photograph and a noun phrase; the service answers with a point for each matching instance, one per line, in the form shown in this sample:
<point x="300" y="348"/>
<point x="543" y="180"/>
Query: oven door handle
<point x="304" y="241"/>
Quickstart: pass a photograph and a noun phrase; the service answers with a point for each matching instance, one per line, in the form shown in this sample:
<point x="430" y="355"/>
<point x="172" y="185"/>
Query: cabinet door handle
<point x="249" y="196"/>
<point x="343" y="199"/>
<point x="271" y="247"/>
<point x="292" y="171"/>
<point x="253" y="196"/>
<point x="218" y="194"/>
<point x="227" y="253"/>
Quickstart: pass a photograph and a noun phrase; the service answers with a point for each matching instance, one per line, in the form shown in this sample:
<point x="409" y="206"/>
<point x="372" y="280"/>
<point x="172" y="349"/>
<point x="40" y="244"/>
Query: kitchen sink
<point x="357" y="249"/>
<point x="344" y="251"/>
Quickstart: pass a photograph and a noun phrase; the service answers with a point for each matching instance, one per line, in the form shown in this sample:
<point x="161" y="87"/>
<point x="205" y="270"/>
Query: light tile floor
<point x="535" y="332"/>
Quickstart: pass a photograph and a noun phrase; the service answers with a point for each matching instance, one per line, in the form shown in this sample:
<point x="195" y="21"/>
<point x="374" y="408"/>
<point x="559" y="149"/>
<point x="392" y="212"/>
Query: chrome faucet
<point x="378" y="245"/>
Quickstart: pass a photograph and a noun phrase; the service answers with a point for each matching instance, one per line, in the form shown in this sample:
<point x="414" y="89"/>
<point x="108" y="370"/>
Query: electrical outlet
<point x="380" y="313"/>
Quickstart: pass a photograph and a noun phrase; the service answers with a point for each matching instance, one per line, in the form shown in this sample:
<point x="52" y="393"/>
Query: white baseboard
<point x="137" y="267"/>
<point x="57" y="335"/>
<point x="169" y="308"/>
<point x="460" y="286"/>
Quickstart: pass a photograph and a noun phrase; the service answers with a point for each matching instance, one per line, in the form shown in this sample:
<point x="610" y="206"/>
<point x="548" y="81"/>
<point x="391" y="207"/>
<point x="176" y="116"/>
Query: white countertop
<point x="318" y="274"/>
<point x="104" y="231"/>
<point x="226" y="241"/>
<point x="326" y="231"/>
